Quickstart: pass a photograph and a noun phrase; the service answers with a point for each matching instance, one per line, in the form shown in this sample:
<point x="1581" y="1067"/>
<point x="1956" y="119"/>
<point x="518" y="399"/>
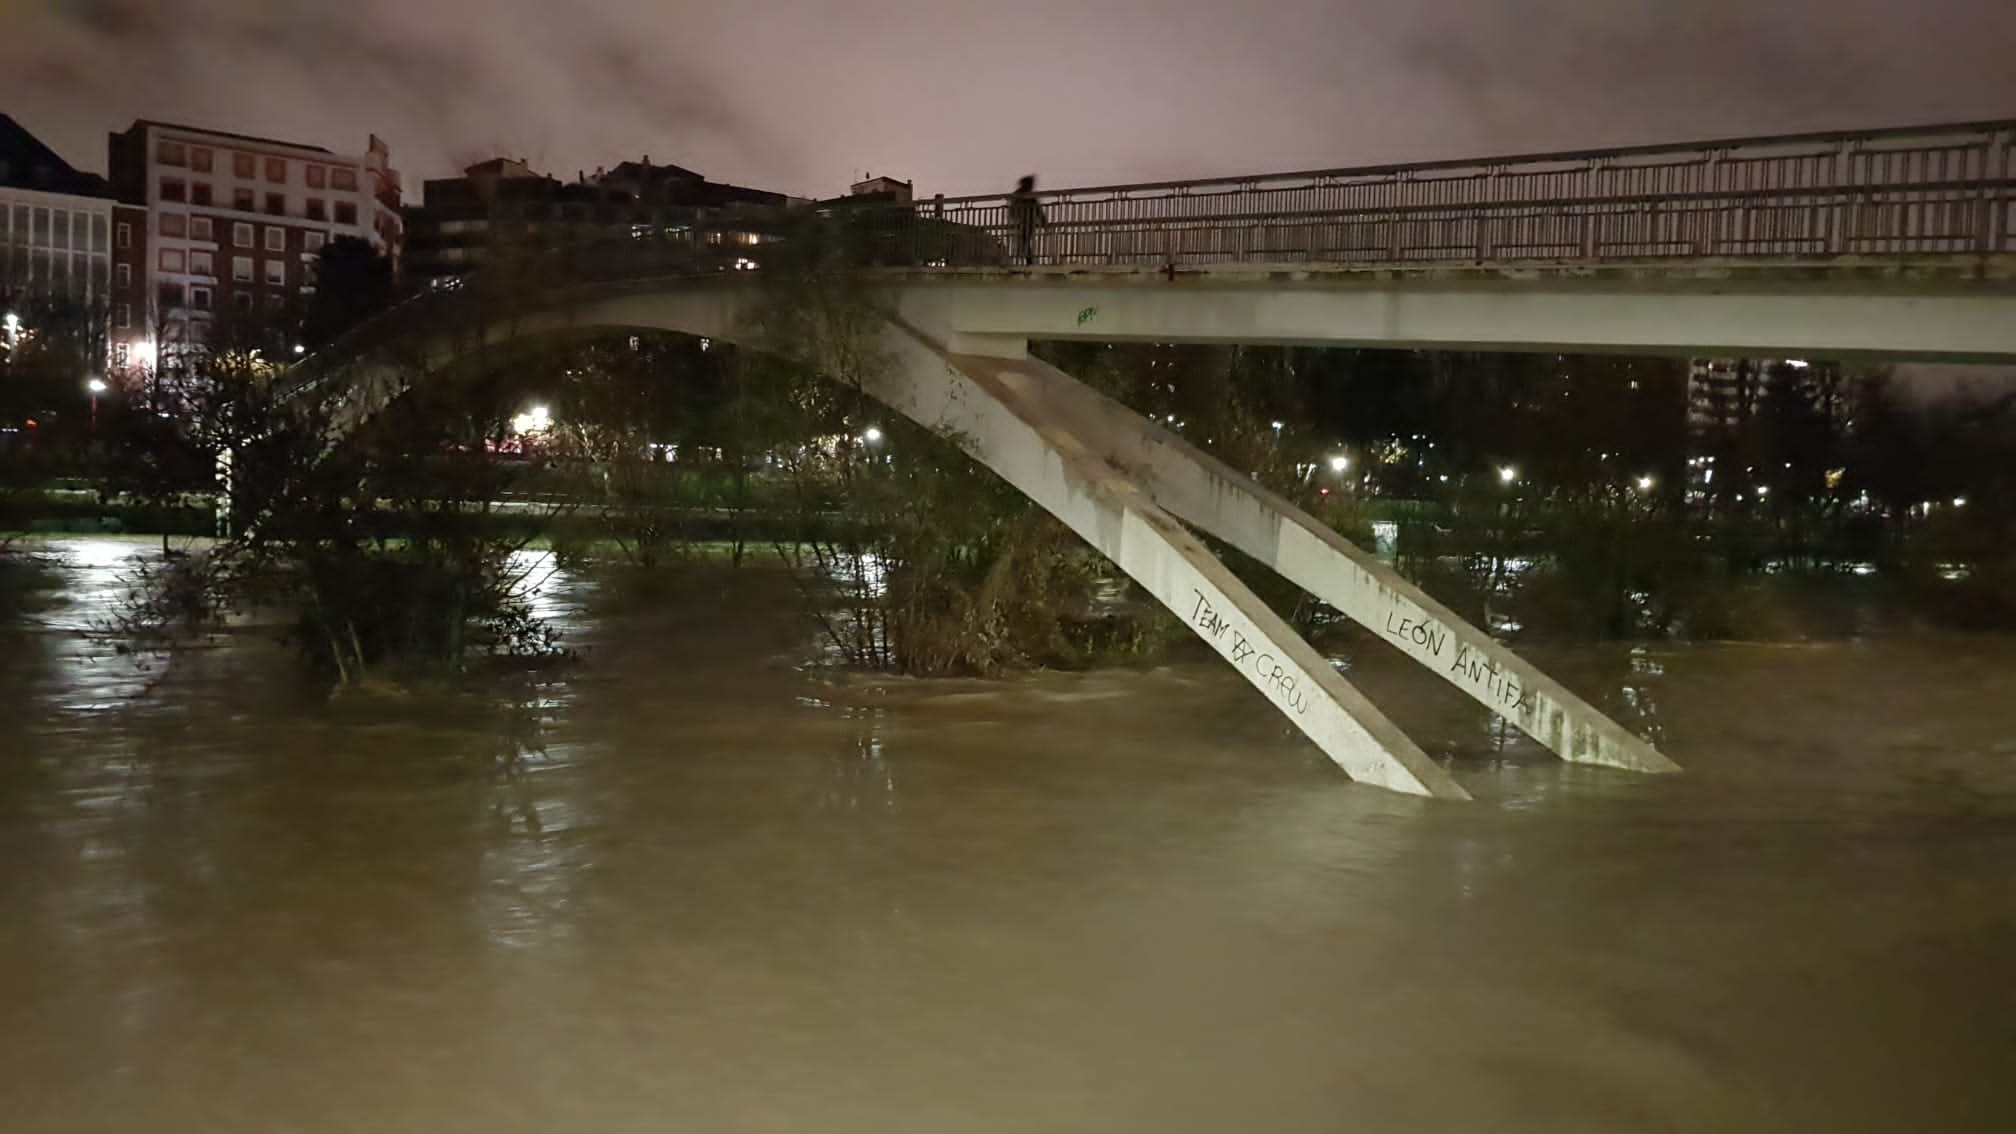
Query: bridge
<point x="1888" y="243"/>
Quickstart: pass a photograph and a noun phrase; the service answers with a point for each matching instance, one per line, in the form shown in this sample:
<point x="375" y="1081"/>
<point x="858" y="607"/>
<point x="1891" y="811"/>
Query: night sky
<point x="962" y="95"/>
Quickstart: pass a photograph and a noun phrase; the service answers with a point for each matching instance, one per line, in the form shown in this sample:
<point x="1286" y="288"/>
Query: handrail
<point x="1704" y="149"/>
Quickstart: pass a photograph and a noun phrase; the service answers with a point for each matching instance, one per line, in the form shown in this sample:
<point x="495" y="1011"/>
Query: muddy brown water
<point x="698" y="884"/>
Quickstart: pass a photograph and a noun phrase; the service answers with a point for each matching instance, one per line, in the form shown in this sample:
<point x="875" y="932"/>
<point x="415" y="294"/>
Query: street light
<point x="872" y="435"/>
<point x="1339" y="463"/>
<point x="1507" y="474"/>
<point x="97" y="387"/>
<point x="1644" y="484"/>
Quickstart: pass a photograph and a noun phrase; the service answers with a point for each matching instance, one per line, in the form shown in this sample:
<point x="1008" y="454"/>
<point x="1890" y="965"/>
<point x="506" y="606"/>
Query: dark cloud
<point x="963" y="95"/>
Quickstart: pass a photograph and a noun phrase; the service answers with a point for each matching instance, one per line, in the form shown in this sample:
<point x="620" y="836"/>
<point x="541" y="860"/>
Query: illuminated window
<point x="241" y="235"/>
<point x="202" y="264"/>
<point x="171" y="259"/>
<point x="276" y="273"/>
<point x="241" y="269"/>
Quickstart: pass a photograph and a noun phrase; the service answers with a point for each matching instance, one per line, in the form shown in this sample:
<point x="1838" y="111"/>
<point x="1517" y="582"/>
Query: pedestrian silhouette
<point x="1027" y="213"/>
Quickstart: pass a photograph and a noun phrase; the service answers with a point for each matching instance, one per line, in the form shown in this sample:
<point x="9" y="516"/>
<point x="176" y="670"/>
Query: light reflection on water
<point x="696" y="884"/>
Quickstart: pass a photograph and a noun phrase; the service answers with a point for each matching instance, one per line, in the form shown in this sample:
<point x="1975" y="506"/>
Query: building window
<point x="202" y="264"/>
<point x="313" y="241"/>
<point x="200" y="158"/>
<point x="318" y="209"/>
<point x="241" y="235"/>
<point x="241" y="302"/>
<point x="241" y="269"/>
<point x="244" y="166"/>
<point x="122" y="235"/>
<point x="199" y="298"/>
<point x="171" y="295"/>
<point x="241" y="199"/>
<point x="171" y="259"/>
<point x="170" y="153"/>
<point x="174" y="224"/>
<point x="275" y="301"/>
<point x="276" y="204"/>
<point x="122" y="354"/>
<point x="174" y="189"/>
<point x="346" y="213"/>
<point x="276" y="170"/>
<point x="125" y="316"/>
<point x="318" y="176"/>
<point x="199" y="193"/>
<point x="343" y="179"/>
<point x="199" y="228"/>
<point x="122" y="274"/>
<point x="276" y="238"/>
<point x="276" y="273"/>
<point x="98" y="233"/>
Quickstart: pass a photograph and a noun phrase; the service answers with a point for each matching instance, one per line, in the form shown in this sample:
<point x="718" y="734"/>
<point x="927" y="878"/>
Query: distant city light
<point x="300" y="349"/>
<point x="1763" y="490"/>
<point x="1507" y="474"/>
<point x="1339" y="463"/>
<point x="1797" y="363"/>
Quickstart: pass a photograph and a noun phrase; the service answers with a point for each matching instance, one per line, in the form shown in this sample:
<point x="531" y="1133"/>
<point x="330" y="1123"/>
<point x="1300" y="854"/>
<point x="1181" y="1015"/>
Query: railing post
<point x="2000" y="196"/>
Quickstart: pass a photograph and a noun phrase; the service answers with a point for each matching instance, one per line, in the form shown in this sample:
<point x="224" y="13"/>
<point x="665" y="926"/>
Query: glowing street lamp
<point x="538" y="419"/>
<point x="1507" y="474"/>
<point x="1339" y="463"/>
<point x="872" y="435"/>
<point x="97" y="387"/>
<point x="1644" y="484"/>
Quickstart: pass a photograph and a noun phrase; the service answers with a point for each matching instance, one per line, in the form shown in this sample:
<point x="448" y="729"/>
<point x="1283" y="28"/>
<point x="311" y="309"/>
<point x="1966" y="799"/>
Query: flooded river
<point x="697" y="885"/>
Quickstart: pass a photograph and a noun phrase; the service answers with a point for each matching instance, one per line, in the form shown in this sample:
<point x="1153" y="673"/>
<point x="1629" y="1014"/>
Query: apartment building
<point x="228" y="227"/>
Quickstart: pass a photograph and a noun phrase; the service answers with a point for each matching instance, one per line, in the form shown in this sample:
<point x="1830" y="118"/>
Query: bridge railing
<point x="1929" y="190"/>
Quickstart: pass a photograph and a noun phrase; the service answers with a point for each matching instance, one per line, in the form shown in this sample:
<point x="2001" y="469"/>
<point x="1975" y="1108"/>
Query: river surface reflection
<point x="697" y="884"/>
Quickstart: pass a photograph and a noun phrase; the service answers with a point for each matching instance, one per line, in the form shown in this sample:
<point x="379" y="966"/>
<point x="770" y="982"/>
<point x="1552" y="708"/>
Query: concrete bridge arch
<point x="1135" y="492"/>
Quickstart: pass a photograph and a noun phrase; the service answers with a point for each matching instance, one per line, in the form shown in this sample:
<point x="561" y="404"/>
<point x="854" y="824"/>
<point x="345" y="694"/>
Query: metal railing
<point x="1909" y="191"/>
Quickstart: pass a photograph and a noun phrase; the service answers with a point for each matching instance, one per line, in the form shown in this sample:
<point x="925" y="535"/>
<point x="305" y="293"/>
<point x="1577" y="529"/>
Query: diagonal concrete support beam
<point x="1210" y="495"/>
<point x="1063" y="470"/>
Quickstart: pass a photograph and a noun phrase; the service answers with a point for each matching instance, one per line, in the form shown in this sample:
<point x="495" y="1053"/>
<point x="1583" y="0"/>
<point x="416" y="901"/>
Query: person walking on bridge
<point x="1027" y="213"/>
